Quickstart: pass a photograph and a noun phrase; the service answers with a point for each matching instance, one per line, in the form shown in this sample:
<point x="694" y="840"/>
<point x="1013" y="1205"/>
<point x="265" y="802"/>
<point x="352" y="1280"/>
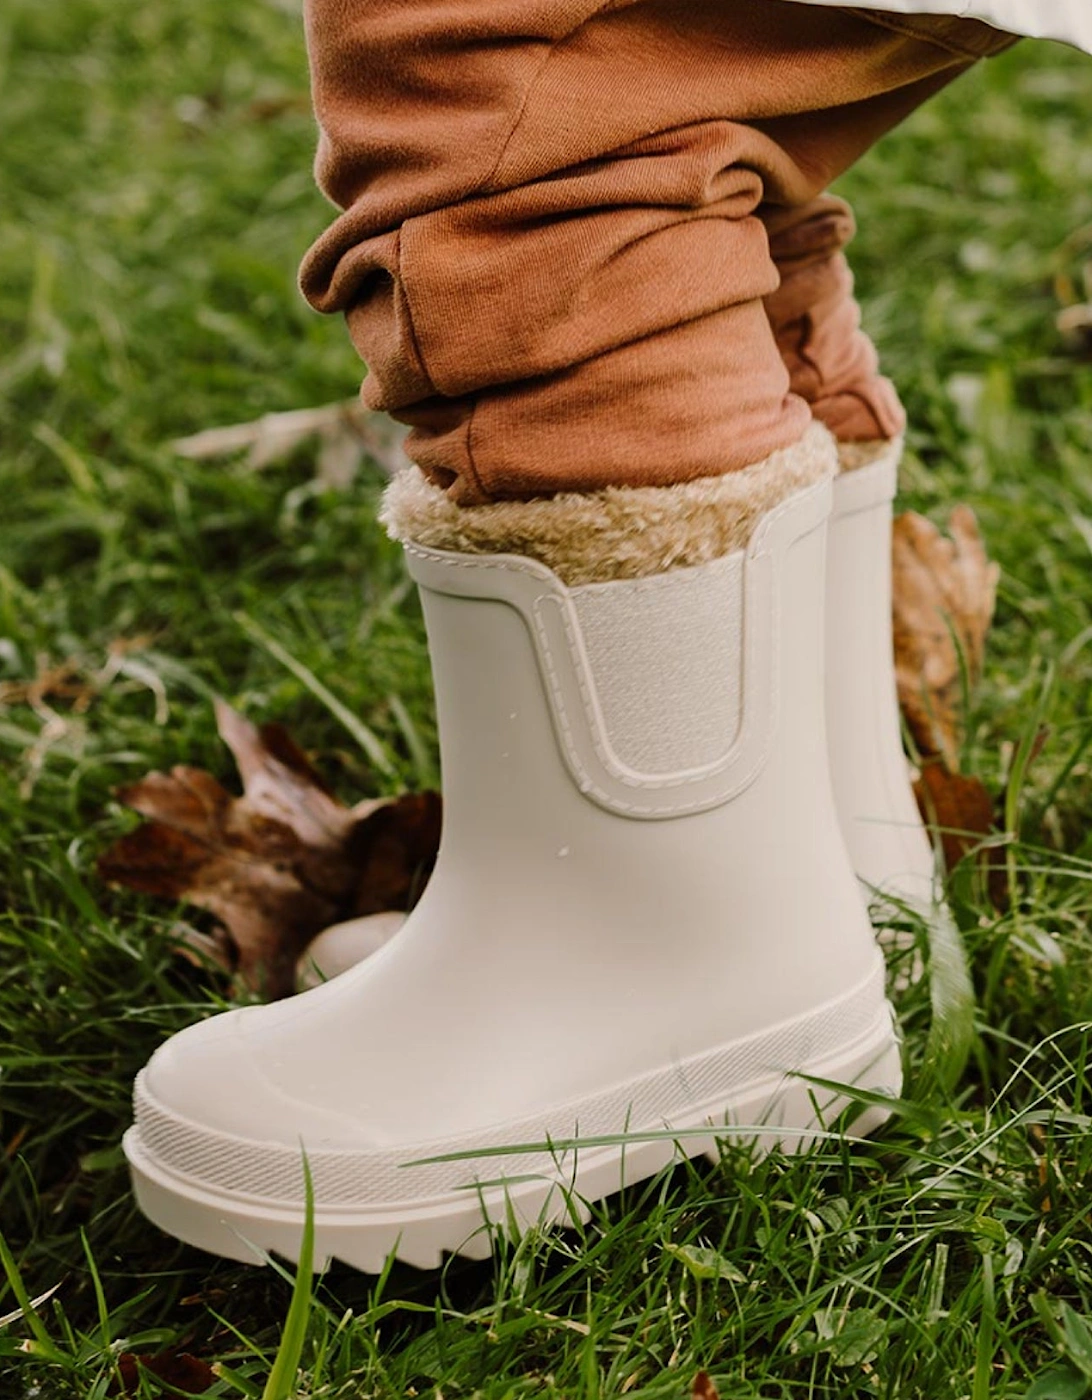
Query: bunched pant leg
<point x="555" y="251"/>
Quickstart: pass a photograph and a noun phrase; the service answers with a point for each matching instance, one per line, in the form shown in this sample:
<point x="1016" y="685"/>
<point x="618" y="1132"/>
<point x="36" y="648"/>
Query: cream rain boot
<point x="642" y="918"/>
<point x="887" y="840"/>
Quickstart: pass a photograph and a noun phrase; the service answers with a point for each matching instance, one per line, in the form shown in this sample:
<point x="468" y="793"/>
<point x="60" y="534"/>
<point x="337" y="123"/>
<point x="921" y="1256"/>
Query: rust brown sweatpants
<point x="588" y="243"/>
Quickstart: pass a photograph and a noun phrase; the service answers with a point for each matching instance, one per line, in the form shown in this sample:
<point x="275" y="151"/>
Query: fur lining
<point x="854" y="455"/>
<point x="620" y="531"/>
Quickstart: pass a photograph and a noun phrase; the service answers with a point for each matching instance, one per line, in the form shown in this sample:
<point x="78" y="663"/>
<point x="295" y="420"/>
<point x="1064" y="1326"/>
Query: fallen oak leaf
<point x="268" y="915"/>
<point x="958" y="808"/>
<point x="390" y="843"/>
<point x="394" y="845"/>
<point x="944" y="593"/>
<point x="278" y="864"/>
<point x="282" y="788"/>
<point x="398" y="832"/>
<point x="176" y="1369"/>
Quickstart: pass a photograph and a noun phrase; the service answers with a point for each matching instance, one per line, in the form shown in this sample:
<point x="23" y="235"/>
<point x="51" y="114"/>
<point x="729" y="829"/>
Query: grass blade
<point x="951" y="994"/>
<point x="377" y="754"/>
<point x="281" y="1384"/>
<point x="26" y="1307"/>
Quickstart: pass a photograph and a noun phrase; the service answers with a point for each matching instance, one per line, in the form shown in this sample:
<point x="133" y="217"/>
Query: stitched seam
<point x="484" y="184"/>
<point x="517" y="122"/>
<point x="411" y="319"/>
<point x="585" y="781"/>
<point x="759" y="549"/>
<point x="471" y="464"/>
<point x="908" y="31"/>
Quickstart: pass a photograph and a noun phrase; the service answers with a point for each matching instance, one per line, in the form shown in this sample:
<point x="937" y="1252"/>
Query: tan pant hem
<point x="966" y="38"/>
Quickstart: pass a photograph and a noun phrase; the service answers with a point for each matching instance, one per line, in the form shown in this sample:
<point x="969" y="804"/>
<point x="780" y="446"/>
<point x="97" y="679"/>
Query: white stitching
<point x="758" y="550"/>
<point x="585" y="782"/>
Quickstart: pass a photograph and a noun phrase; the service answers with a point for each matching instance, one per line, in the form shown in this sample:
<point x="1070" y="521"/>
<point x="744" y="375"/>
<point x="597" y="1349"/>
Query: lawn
<point x="155" y="197"/>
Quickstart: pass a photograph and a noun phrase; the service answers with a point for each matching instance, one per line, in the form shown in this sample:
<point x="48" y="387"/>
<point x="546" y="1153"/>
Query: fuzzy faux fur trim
<point x="852" y="456"/>
<point x="620" y="531"/>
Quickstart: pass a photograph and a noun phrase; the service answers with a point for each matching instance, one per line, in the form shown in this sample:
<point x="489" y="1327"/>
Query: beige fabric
<point x="651" y="645"/>
<point x="620" y="531"/>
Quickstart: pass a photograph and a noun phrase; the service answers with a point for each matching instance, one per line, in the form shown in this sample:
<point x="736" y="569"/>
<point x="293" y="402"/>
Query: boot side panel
<point x="887" y="841"/>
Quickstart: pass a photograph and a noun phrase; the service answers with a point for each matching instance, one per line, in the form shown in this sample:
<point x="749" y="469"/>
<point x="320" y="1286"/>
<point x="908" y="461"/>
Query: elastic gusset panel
<point x="665" y="656"/>
<point x="271" y="1171"/>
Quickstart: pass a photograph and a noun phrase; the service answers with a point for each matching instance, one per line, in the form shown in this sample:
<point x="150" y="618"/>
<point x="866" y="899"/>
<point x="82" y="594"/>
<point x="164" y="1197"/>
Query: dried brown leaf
<point x="395" y="848"/>
<point x="945" y="590"/>
<point x="346" y="432"/>
<point x="176" y="1369"/>
<point x="61" y="694"/>
<point x="50" y="683"/>
<point x="702" y="1387"/>
<point x="958" y="807"/>
<point x="74" y="682"/>
<point x="278" y="864"/>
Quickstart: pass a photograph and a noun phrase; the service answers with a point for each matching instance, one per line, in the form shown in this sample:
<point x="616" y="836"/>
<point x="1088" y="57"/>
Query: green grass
<point x="155" y="198"/>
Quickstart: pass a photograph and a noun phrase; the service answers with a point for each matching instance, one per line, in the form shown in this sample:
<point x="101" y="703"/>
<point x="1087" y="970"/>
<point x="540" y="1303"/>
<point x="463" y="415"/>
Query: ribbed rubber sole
<point x="778" y="1112"/>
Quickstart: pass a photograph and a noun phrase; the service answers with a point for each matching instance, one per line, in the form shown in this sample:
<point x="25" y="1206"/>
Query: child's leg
<point x="832" y="364"/>
<point x="553" y="255"/>
<point x="816" y="321"/>
<point x="643" y="912"/>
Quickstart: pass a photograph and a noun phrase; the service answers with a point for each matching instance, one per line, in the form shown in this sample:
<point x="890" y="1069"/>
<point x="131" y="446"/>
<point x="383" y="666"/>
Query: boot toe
<point x="208" y="1109"/>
